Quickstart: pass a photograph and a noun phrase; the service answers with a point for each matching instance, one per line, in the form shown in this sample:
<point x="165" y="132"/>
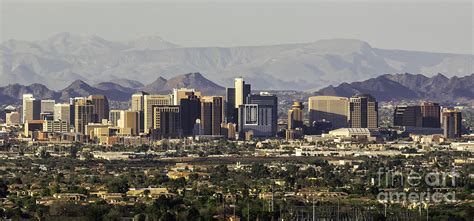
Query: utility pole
<point x="314" y="215"/>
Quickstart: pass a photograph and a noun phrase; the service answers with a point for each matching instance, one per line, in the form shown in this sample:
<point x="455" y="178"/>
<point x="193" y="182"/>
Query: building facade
<point x="363" y="112"/>
<point x="452" y="123"/>
<point x="329" y="109"/>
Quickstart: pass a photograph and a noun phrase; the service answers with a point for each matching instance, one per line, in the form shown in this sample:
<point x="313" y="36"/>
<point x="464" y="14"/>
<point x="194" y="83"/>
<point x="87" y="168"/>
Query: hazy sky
<point x="441" y="26"/>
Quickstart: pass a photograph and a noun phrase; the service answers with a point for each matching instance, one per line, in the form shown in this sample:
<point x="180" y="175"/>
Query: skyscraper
<point x="101" y="107"/>
<point x="259" y="115"/>
<point x="83" y="114"/>
<point x="239" y="91"/>
<point x="182" y="93"/>
<point x="329" y="108"/>
<point x="47" y="106"/>
<point x="148" y="103"/>
<point x="31" y="108"/>
<point x="166" y="121"/>
<point x="138" y="104"/>
<point x="190" y="112"/>
<point x="452" y="123"/>
<point x="408" y="116"/>
<point x="295" y="116"/>
<point x="114" y="117"/>
<point x="230" y="110"/>
<point x="138" y="100"/>
<point x="242" y="90"/>
<point x="129" y="120"/>
<point x="363" y="112"/>
<point x="431" y="114"/>
<point x="211" y="115"/>
<point x="64" y="112"/>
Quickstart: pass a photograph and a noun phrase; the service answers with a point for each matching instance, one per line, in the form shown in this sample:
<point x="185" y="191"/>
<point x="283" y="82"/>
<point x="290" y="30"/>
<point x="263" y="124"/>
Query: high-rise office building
<point x="295" y="116"/>
<point x="47" y="106"/>
<point x="129" y="120"/>
<point x="166" y="121"/>
<point x="183" y="93"/>
<point x="211" y="115"/>
<point x="242" y="90"/>
<point x="259" y="116"/>
<point x="138" y="104"/>
<point x="408" y="116"/>
<point x="363" y="112"/>
<point x="452" y="123"/>
<point x="101" y="107"/>
<point x="83" y="114"/>
<point x="138" y="100"/>
<point x="148" y="103"/>
<point x="64" y="112"/>
<point x="114" y="117"/>
<point x="431" y="113"/>
<point x="190" y="112"/>
<point x="329" y="109"/>
<point x="31" y="108"/>
<point x="230" y="110"/>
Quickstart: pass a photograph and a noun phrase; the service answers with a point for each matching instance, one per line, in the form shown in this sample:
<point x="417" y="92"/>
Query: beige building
<point x="83" y="114"/>
<point x="31" y="108"/>
<point x="12" y="118"/>
<point x="363" y="112"/>
<point x="62" y="112"/>
<point x="183" y="93"/>
<point x="47" y="106"/>
<point x="138" y="101"/>
<point x="329" y="108"/>
<point x="211" y="115"/>
<point x="55" y="126"/>
<point x="129" y="120"/>
<point x="149" y="102"/>
<point x="295" y="116"/>
<point x="239" y="91"/>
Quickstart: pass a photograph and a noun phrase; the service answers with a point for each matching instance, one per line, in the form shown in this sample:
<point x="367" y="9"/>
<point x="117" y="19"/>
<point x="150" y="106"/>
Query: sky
<point x="422" y="25"/>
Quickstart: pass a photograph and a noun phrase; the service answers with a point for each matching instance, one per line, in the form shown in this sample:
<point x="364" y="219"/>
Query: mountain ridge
<point x="408" y="86"/>
<point x="307" y="66"/>
<point x="115" y="92"/>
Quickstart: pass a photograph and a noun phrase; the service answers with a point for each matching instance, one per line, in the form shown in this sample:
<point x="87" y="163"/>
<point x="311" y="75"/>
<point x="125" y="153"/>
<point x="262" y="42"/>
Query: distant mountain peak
<point x="150" y="43"/>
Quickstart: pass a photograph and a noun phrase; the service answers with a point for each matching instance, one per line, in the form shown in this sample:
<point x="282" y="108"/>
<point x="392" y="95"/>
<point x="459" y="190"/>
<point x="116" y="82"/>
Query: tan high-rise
<point x="239" y="91"/>
<point x="101" y="107"/>
<point x="148" y="103"/>
<point x="138" y="100"/>
<point x="83" y="114"/>
<point x="363" y="112"/>
<point x="31" y="108"/>
<point x="130" y="120"/>
<point x="329" y="108"/>
<point x="47" y="106"/>
<point x="183" y="93"/>
<point x="211" y="115"/>
<point x="295" y="116"/>
<point x="62" y="112"/>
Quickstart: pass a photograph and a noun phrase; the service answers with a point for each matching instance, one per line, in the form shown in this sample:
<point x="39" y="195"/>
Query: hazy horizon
<point x="438" y="26"/>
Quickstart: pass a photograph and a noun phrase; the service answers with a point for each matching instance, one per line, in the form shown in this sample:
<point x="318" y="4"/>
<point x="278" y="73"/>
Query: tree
<point x="117" y="186"/>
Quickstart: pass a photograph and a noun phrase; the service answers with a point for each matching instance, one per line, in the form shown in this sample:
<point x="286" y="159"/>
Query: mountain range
<point x="120" y="90"/>
<point x="409" y="87"/>
<point x="65" y="57"/>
